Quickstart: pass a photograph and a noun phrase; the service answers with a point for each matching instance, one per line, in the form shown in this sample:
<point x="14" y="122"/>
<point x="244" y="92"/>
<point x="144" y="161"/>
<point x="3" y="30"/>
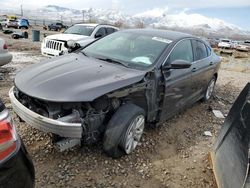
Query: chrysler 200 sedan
<point x="115" y="86"/>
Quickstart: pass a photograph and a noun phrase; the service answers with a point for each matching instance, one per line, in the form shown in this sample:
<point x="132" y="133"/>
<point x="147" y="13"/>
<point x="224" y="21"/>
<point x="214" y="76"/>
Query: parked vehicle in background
<point x="16" y="167"/>
<point x="11" y="23"/>
<point x="56" y="26"/>
<point x="5" y="56"/>
<point x="243" y="46"/>
<point x="115" y="86"/>
<point x="3" y="21"/>
<point x="225" y="43"/>
<point x="74" y="37"/>
<point x="23" y="23"/>
<point x="234" y="44"/>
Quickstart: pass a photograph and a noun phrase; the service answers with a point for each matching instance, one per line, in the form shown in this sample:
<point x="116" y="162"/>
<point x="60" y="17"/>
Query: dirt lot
<point x="173" y="155"/>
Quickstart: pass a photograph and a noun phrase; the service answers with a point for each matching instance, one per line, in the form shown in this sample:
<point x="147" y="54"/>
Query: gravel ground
<point x="173" y="155"/>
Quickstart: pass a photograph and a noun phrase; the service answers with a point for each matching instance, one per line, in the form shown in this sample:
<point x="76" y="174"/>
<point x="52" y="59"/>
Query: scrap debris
<point x="218" y="114"/>
<point x="208" y="133"/>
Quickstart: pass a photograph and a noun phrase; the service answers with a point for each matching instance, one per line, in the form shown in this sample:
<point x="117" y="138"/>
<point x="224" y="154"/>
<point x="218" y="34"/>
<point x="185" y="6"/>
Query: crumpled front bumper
<point x="64" y="129"/>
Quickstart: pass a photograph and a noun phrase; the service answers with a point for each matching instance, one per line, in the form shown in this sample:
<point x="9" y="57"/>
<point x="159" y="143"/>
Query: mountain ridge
<point x="156" y="18"/>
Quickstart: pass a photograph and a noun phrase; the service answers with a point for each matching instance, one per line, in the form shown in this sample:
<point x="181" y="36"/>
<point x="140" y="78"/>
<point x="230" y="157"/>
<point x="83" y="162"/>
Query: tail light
<point x="8" y="136"/>
<point x="5" y="46"/>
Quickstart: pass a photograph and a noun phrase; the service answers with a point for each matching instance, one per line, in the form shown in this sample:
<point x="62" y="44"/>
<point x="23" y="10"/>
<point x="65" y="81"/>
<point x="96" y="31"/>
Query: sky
<point x="235" y="12"/>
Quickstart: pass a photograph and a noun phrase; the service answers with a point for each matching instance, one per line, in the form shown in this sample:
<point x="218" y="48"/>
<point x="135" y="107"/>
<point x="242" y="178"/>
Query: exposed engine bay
<point x="91" y="115"/>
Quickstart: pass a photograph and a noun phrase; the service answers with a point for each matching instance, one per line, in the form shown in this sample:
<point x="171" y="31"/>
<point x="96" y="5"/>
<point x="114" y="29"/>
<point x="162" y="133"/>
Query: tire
<point x="127" y="124"/>
<point x="23" y="27"/>
<point x="15" y="36"/>
<point x="210" y="89"/>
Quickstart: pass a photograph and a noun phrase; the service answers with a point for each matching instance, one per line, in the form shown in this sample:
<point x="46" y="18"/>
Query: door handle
<point x="194" y="69"/>
<point x="211" y="63"/>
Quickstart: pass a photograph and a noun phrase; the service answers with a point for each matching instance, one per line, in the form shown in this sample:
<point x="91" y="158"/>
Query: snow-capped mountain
<point x="160" y="18"/>
<point x="88" y="14"/>
<point x="157" y="17"/>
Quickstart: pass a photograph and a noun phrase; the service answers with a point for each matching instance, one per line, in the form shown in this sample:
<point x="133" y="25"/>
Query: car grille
<point x="55" y="45"/>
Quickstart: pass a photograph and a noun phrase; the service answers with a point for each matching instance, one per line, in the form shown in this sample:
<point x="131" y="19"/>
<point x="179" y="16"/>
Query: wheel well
<point x="216" y="76"/>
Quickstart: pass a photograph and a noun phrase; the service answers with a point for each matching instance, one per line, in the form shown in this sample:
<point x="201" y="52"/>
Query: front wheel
<point x="124" y="130"/>
<point x="210" y="89"/>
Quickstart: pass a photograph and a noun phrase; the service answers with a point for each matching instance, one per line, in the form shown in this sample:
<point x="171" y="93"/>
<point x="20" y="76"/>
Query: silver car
<point x="5" y="56"/>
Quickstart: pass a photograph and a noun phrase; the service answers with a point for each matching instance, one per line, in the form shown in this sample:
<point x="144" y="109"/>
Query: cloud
<point x="155" y="12"/>
<point x="126" y="4"/>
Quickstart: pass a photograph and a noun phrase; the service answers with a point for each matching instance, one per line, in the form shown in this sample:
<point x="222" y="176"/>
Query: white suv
<point x="225" y="43"/>
<point x="81" y="34"/>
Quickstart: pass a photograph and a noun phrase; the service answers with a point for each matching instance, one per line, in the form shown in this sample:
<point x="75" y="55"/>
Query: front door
<point x="177" y="81"/>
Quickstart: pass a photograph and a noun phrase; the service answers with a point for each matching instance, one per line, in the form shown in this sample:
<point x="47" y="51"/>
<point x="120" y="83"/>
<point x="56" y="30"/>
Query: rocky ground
<point x="173" y="155"/>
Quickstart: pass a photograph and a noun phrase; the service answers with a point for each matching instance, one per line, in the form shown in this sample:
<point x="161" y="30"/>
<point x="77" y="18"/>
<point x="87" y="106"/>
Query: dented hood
<point x="74" y="78"/>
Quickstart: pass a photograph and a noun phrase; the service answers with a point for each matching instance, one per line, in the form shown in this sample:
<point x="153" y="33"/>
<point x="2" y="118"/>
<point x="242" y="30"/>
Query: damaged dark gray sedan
<point x="114" y="87"/>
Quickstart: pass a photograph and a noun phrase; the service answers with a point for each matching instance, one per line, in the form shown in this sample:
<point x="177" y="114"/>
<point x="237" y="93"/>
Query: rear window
<point x="200" y="50"/>
<point x="208" y="51"/>
<point x="225" y="40"/>
<point x="110" y="30"/>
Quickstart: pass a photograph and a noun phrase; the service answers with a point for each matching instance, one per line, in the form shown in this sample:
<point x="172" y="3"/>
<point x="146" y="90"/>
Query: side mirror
<point x="98" y="35"/>
<point x="180" y="64"/>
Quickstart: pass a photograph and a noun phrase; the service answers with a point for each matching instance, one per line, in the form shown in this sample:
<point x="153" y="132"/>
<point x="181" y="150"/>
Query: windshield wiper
<point x="113" y="61"/>
<point x="84" y="53"/>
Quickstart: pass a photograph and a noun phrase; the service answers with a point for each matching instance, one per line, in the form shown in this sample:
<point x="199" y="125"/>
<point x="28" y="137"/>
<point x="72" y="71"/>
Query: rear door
<point x="203" y="68"/>
<point x="177" y="81"/>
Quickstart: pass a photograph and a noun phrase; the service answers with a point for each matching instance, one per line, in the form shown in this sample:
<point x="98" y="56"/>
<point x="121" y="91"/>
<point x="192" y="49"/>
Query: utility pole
<point x="83" y="15"/>
<point x="22" y="10"/>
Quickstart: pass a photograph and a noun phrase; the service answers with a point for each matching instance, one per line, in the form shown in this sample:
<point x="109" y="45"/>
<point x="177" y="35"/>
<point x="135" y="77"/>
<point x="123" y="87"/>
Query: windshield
<point x="80" y="30"/>
<point x="136" y="50"/>
<point x="224" y="40"/>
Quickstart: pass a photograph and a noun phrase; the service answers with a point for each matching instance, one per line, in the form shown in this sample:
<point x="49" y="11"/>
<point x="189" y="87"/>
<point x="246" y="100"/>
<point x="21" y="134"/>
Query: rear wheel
<point x="210" y="89"/>
<point x="124" y="130"/>
<point x="23" y="27"/>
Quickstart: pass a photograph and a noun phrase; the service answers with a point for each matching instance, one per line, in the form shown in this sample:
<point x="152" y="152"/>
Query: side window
<point x="110" y="30"/>
<point x="101" y="32"/>
<point x="200" y="50"/>
<point x="208" y="51"/>
<point x="182" y="51"/>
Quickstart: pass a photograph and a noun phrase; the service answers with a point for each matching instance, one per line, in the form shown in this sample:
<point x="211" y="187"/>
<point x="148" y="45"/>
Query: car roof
<point x="88" y="24"/>
<point x="95" y="25"/>
<point x="171" y="35"/>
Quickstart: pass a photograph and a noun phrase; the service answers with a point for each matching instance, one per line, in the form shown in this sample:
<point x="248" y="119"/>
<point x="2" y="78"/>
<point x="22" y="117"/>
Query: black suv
<point x="56" y="26"/>
<point x="16" y="167"/>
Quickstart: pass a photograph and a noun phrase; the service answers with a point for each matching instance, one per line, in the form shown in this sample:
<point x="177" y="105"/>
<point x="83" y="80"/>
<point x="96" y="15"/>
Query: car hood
<point x="74" y="78"/>
<point x="67" y="37"/>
